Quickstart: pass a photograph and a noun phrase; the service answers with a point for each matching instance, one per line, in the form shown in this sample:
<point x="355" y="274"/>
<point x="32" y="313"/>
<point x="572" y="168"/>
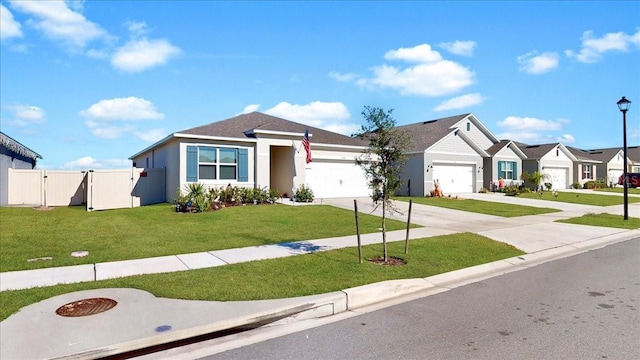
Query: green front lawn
<point x="585" y="198"/>
<point x="157" y="230"/>
<point x="619" y="190"/>
<point x="315" y="273"/>
<point x="606" y="220"/>
<point x="479" y="206"/>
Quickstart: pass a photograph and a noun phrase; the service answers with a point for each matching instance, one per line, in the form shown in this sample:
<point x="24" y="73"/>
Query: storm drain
<point x="86" y="307"/>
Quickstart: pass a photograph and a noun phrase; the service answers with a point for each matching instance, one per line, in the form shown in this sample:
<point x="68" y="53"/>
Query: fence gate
<point x="98" y="189"/>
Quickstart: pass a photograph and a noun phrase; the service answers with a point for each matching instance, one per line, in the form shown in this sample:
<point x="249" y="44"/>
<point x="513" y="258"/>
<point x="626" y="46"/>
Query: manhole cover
<point x="86" y="307"/>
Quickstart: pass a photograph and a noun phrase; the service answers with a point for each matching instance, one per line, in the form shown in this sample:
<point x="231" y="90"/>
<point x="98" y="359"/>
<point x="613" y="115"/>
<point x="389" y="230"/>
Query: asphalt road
<point x="581" y="307"/>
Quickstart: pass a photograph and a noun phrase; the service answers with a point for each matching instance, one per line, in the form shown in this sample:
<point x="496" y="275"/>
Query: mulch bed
<point x="391" y="261"/>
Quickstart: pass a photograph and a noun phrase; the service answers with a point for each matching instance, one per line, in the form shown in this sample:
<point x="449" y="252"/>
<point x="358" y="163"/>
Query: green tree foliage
<point x="383" y="159"/>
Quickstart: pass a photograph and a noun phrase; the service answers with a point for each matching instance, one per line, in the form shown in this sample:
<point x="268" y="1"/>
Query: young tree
<point x="383" y="160"/>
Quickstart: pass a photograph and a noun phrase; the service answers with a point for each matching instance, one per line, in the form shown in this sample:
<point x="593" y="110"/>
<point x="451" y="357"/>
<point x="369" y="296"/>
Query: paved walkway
<point x="140" y="319"/>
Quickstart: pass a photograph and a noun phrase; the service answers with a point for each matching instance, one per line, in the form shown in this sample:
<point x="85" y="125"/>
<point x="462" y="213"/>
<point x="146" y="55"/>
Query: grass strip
<point x="605" y="220"/>
<point x="619" y="190"/>
<point x="579" y="198"/>
<point x="480" y="206"/>
<point x="157" y="230"/>
<point x="309" y="274"/>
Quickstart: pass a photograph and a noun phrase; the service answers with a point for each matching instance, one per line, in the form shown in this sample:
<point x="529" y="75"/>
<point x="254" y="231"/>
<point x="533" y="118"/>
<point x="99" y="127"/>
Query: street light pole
<point x="623" y="105"/>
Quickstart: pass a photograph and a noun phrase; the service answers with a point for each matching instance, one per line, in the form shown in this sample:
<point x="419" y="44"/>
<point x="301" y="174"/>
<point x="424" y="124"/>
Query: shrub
<point x="303" y="194"/>
<point x="576" y="185"/>
<point x="548" y="185"/>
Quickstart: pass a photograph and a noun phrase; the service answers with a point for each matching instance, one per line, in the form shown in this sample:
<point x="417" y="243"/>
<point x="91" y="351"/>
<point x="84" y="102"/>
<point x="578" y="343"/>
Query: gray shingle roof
<point x="425" y="134"/>
<point x="16" y="147"/>
<point x="495" y="148"/>
<point x="604" y="155"/>
<point x="536" y="151"/>
<point x="582" y="155"/>
<point x="242" y="125"/>
<point x="633" y="152"/>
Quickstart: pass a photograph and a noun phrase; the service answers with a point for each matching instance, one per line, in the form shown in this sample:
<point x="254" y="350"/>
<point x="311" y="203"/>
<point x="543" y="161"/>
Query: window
<point x="587" y="171"/>
<point x="468" y="126"/>
<point x="507" y="170"/>
<point x="216" y="163"/>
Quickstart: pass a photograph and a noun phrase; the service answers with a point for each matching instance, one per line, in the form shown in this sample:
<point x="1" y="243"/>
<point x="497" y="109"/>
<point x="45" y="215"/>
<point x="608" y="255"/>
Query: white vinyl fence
<point x="97" y="189"/>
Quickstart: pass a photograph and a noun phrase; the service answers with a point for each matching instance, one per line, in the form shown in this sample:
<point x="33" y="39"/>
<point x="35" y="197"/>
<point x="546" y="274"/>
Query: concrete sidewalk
<point x="141" y="320"/>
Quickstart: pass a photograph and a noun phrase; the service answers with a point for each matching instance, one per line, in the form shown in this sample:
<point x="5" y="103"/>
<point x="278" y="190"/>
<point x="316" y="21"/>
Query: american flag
<point x="307" y="145"/>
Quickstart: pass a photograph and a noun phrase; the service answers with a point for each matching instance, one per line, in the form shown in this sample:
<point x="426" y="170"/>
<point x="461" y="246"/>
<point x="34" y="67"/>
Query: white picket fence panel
<point x="98" y="189"/>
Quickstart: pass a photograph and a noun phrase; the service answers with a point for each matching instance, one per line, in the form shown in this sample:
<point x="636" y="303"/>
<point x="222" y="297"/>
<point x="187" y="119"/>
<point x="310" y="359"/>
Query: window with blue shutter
<point x="192" y="163"/>
<point x="243" y="165"/>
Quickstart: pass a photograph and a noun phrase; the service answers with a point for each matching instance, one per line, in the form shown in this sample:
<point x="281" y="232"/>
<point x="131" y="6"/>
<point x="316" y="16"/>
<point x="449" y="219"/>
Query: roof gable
<point x="427" y="133"/>
<point x="538" y="151"/>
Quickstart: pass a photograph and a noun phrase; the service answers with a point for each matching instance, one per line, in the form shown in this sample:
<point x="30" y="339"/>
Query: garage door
<point x="557" y="177"/>
<point x="454" y="179"/>
<point x="334" y="179"/>
<point x="614" y="175"/>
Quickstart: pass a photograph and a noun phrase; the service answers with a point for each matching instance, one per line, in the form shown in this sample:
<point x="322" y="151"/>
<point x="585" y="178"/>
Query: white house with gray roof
<point x="259" y="150"/>
<point x="460" y="154"/>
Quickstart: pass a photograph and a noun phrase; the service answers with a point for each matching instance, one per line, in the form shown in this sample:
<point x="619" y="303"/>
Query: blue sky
<point x="87" y="84"/>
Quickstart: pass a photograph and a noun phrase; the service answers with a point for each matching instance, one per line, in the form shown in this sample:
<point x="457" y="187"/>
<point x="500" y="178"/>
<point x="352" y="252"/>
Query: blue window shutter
<point x="243" y="165"/>
<point x="515" y="170"/>
<point x="192" y="163"/>
<point x="500" y="167"/>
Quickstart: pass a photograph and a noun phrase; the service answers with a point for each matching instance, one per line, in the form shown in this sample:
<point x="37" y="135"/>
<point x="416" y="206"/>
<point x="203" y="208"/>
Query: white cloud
<point x="152" y="135"/>
<point x="137" y="28"/>
<point x="313" y="111"/>
<point x="60" y="23"/>
<point x="329" y="116"/>
<point x="250" y="108"/>
<point x="103" y="131"/>
<point x="418" y="54"/>
<point x="25" y="115"/>
<point x="130" y="108"/>
<point x="342" y="77"/>
<point x="88" y="162"/>
<point x="567" y="139"/>
<point x="531" y="130"/>
<point x="593" y="48"/>
<point x="464" y="48"/>
<point x="460" y="102"/>
<point x="142" y="54"/>
<point x="9" y="28"/>
<point x="535" y="63"/>
<point x="529" y="123"/>
<point x="431" y="76"/>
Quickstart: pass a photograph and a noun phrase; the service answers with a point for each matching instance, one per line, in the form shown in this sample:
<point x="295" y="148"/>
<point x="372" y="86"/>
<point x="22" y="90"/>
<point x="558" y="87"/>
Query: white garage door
<point x="557" y="177"/>
<point x="332" y="179"/>
<point x="454" y="179"/>
<point x="614" y="175"/>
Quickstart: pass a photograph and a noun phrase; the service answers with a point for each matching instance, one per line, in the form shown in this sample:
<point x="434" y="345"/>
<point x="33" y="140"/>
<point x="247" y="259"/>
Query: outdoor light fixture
<point x="623" y="105"/>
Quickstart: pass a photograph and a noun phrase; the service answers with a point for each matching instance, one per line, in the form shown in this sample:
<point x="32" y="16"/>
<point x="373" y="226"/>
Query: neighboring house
<point x="633" y="153"/>
<point x="613" y="163"/>
<point x="586" y="168"/>
<point x="13" y="155"/>
<point x="453" y="152"/>
<point x="505" y="162"/>
<point x="259" y="150"/>
<point x="554" y="160"/>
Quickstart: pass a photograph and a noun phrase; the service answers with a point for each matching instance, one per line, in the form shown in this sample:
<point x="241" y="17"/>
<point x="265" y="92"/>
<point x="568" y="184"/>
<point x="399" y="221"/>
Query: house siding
<point x="413" y="176"/>
<point x="10" y="160"/>
<point x="476" y="135"/>
<point x="491" y="175"/>
<point x="452" y="144"/>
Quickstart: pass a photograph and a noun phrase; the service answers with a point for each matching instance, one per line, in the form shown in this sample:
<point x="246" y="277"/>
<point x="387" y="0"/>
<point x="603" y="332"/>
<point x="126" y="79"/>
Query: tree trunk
<point x="384" y="230"/>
